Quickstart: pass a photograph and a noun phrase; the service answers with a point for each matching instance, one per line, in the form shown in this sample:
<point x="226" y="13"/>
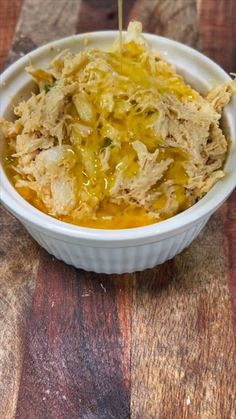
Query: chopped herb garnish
<point x="107" y="142"/>
<point x="46" y="88"/>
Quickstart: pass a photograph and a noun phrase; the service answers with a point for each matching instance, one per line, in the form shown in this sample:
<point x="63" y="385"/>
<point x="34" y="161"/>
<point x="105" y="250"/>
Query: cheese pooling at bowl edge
<point x="115" y="139"/>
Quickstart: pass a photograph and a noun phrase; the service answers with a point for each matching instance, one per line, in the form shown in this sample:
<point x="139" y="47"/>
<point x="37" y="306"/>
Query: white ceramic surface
<point x="128" y="250"/>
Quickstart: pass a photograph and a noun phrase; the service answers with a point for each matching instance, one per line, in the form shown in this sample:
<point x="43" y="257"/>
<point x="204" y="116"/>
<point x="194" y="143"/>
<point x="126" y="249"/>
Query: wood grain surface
<point x="173" y="19"/>
<point x="218" y="31"/>
<point x="182" y="310"/>
<point x="9" y="11"/>
<point x="70" y="364"/>
<point x="157" y="344"/>
<point x="17" y="275"/>
<point x="101" y="15"/>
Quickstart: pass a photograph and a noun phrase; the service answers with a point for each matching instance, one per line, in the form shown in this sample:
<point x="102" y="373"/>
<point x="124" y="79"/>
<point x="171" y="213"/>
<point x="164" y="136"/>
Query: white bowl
<point x="127" y="250"/>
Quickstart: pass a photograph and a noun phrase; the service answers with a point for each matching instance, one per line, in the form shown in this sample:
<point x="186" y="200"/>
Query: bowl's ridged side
<point x="120" y="259"/>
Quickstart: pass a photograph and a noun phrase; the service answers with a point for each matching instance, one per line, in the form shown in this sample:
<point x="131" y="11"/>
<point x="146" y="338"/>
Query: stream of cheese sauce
<point x="120" y="21"/>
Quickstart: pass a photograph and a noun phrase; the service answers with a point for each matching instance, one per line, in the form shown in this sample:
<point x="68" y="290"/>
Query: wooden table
<point x="156" y="344"/>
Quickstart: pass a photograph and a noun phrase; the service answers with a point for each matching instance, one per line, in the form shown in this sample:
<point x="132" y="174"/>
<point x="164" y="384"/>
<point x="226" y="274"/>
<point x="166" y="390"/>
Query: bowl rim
<point x="31" y="215"/>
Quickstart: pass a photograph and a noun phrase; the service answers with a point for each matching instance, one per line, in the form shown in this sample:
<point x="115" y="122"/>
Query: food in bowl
<point x="120" y="250"/>
<point x="115" y="139"/>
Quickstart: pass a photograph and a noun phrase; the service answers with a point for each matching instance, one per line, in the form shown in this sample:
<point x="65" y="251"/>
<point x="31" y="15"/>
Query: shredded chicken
<point x="110" y="137"/>
<point x="137" y="188"/>
<point x="220" y="96"/>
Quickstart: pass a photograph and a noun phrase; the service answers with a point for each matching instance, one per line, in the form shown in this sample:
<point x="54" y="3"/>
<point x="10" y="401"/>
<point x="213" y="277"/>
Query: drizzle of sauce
<point x="120" y="20"/>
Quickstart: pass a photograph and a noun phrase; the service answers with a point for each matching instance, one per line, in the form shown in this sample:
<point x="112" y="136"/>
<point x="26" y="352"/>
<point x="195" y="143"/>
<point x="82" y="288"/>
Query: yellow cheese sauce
<point x="120" y="21"/>
<point x="111" y="215"/>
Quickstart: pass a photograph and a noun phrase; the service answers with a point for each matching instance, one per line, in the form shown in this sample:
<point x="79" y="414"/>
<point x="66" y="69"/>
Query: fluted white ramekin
<point x="127" y="250"/>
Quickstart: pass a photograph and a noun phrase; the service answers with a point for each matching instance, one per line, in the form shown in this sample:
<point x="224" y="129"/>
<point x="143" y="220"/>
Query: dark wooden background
<point x="158" y="344"/>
